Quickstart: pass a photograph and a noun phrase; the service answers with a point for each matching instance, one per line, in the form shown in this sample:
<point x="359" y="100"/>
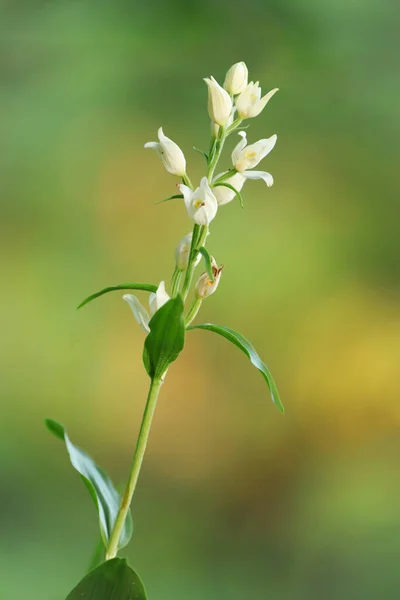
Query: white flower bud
<point x="158" y="299"/>
<point x="171" y="155"/>
<point x="201" y="204"/>
<point x="236" y="78"/>
<point x="219" y="102"/>
<point x="204" y="286"/>
<point x="182" y="252"/>
<point x="249" y="104"/>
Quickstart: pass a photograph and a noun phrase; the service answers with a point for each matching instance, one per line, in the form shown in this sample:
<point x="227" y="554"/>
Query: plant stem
<point x="141" y="444"/>
<point x="175" y="282"/>
<point x="219" y="144"/>
<point x="198" y="239"/>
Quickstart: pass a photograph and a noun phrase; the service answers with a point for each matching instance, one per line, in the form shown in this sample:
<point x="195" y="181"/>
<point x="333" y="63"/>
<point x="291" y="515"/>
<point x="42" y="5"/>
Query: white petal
<point x="239" y="147"/>
<point x="224" y="194"/>
<point x="154" y="145"/>
<point x="139" y="312"/>
<point x="267" y="177"/>
<point x="158" y="299"/>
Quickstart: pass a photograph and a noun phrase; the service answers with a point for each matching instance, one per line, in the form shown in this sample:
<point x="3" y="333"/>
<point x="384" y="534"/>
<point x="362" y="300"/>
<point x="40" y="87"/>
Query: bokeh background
<point x="235" y="501"/>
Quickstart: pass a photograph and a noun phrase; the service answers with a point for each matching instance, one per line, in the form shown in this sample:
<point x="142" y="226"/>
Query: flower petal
<point x="139" y="312"/>
<point x="154" y="145"/>
<point x="239" y="147"/>
<point x="158" y="299"/>
<point x="267" y="177"/>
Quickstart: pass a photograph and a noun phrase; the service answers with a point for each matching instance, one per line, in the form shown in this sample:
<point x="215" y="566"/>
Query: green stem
<point x="186" y="181"/>
<point x="219" y="144"/>
<point x="175" y="282"/>
<point x="194" y="309"/>
<point x="198" y="239"/>
<point x="141" y="444"/>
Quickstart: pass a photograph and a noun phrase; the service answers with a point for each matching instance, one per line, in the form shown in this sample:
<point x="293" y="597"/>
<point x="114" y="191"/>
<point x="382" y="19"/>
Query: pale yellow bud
<point x="236" y="78"/>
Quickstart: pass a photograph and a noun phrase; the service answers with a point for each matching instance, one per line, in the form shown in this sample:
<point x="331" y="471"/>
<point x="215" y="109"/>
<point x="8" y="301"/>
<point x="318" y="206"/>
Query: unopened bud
<point x="204" y="286"/>
<point x="182" y="253"/>
<point x="236" y="78"/>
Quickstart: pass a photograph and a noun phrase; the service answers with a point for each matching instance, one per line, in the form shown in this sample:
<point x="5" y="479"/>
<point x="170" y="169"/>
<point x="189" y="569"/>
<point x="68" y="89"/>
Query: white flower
<point x="171" y="155"/>
<point x="156" y="301"/>
<point x="224" y="194"/>
<point x="201" y="204"/>
<point x="182" y="252"/>
<point x="249" y="104"/>
<point x="204" y="286"/>
<point x="236" y="78"/>
<point x="219" y="102"/>
<point x="247" y="157"/>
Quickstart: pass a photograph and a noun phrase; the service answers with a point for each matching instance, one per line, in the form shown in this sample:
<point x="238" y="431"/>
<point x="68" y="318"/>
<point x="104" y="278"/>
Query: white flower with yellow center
<point x="156" y="301"/>
<point x="171" y="155"/>
<point x="249" y="104"/>
<point x="201" y="204"/>
<point x="247" y="157"/>
<point x="219" y="102"/>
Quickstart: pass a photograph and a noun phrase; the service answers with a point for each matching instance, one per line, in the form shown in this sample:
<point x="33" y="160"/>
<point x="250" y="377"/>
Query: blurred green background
<point x="235" y="501"/>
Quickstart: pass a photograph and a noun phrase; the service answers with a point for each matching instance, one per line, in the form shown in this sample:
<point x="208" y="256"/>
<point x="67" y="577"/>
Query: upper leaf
<point x="112" y="580"/>
<point x="146" y="287"/>
<point x="166" y="338"/>
<point x="100" y="486"/>
<point x="207" y="260"/>
<point x="241" y="342"/>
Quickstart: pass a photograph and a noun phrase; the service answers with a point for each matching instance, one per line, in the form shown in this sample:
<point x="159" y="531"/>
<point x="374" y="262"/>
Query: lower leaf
<point x="112" y="580"/>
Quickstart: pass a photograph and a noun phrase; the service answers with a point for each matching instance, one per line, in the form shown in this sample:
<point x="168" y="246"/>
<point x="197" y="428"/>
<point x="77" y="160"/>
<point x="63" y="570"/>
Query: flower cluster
<point x="228" y="106"/>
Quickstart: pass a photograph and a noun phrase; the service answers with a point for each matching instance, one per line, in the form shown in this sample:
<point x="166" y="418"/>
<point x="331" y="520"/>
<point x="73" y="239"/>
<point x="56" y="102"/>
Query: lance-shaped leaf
<point x="100" y="486"/>
<point x="112" y="580"/>
<point x="146" y="287"/>
<point x="166" y="338"/>
<point x="241" y="342"/>
<point x="169" y="198"/>
<point x="207" y="260"/>
<point x="201" y="152"/>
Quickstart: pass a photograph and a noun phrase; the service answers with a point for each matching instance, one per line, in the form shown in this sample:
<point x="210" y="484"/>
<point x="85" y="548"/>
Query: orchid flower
<point x="249" y="104"/>
<point x="201" y="204"/>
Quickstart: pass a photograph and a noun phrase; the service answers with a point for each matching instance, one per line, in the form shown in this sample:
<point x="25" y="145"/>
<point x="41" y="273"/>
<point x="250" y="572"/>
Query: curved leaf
<point x="241" y="342"/>
<point x="146" y="287"/>
<point x="100" y="486"/>
<point x="207" y="259"/>
<point x="201" y="152"/>
<point x="169" y="198"/>
<point x="228" y="185"/>
<point x="112" y="580"/>
<point x="166" y="338"/>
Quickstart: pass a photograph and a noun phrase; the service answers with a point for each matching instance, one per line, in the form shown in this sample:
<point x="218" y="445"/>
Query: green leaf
<point x="100" y="486"/>
<point x="146" y="287"/>
<point x="241" y="342"/>
<point x="201" y="152"/>
<point x="169" y="198"/>
<point x="112" y="580"/>
<point x="207" y="259"/>
<point x="166" y="338"/>
<point x="228" y="185"/>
